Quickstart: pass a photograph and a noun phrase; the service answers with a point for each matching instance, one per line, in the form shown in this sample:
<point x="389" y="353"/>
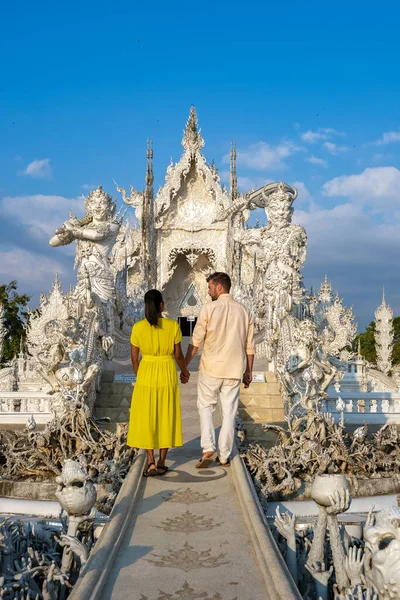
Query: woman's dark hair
<point x="152" y="302"/>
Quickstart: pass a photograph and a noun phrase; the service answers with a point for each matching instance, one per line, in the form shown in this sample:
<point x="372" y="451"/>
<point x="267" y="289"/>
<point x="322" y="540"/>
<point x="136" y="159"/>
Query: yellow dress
<point x="155" y="417"/>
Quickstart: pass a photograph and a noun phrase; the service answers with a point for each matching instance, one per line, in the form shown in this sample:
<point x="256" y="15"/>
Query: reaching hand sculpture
<point x="285" y="524"/>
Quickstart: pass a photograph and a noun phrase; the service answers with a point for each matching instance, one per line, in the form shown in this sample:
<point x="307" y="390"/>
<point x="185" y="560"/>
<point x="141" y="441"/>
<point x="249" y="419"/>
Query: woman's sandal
<point x="162" y="470"/>
<point x="150" y="472"/>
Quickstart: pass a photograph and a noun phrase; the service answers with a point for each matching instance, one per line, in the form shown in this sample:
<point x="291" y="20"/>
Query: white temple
<point x="192" y="226"/>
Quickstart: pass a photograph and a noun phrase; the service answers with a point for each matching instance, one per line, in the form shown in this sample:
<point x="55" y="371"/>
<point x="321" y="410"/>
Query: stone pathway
<point x="186" y="538"/>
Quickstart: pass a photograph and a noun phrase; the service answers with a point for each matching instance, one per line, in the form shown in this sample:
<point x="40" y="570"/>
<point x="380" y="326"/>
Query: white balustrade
<point x="16" y="407"/>
<point x="374" y="407"/>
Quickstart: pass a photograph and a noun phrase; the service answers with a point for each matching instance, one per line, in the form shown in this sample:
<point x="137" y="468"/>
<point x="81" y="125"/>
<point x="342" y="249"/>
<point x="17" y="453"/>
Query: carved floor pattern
<point x="188" y="559"/>
<point x="188" y="496"/>
<point x="188" y="523"/>
<point x="186" y="593"/>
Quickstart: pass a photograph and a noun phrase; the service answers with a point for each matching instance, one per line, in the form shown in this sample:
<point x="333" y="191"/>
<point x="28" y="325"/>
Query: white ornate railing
<point x="16" y="407"/>
<point x="376" y="407"/>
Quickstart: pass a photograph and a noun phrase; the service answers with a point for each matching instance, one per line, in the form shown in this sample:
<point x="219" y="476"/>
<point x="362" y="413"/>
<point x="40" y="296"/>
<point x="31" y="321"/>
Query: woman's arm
<point x="180" y="360"/>
<point x="135" y="358"/>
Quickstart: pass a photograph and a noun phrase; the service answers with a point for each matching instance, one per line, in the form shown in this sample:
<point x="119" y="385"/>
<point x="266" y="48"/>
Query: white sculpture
<point x="384" y="336"/>
<point x="382" y="545"/>
<point x="2" y="330"/>
<point x="334" y="322"/>
<point x="280" y="251"/>
<point x="96" y="235"/>
<point x="77" y="495"/>
<point x="66" y="351"/>
<point x="301" y="365"/>
<point x="351" y="572"/>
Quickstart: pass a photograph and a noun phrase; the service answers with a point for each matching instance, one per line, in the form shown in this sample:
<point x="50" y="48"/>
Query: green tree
<point x="367" y="342"/>
<point x="396" y="341"/>
<point x="15" y="317"/>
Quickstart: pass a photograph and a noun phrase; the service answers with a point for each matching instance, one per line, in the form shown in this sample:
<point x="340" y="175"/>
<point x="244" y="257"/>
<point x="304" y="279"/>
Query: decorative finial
<point x="149" y="170"/>
<point x="233" y="176"/>
<point x="192" y="140"/>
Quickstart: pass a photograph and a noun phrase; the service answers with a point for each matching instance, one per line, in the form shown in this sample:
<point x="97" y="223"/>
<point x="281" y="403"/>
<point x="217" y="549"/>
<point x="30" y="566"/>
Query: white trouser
<point x="208" y="390"/>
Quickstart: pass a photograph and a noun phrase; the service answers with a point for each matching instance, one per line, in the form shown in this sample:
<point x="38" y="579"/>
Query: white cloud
<point x="39" y="169"/>
<point x="245" y="184"/>
<point x="358" y="254"/>
<point x="379" y="183"/>
<point x="323" y="133"/>
<point x="334" y="148"/>
<point x="314" y="160"/>
<point x="40" y="214"/>
<point x="389" y="137"/>
<point x="262" y="156"/>
<point x="17" y="263"/>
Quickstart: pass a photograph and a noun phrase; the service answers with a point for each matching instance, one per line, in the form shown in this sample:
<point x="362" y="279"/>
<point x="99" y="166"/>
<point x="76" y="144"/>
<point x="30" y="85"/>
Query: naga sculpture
<point x="334" y="322"/>
<point x="301" y="365"/>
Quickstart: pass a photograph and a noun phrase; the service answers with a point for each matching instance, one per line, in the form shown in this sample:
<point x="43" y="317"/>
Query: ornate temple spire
<point x="325" y="290"/>
<point x="2" y="330"/>
<point x="233" y="176"/>
<point x="384" y="335"/>
<point x="149" y="168"/>
<point x="148" y="249"/>
<point x="192" y="140"/>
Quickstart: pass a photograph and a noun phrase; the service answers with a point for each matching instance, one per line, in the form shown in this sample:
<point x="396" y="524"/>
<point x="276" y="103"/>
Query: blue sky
<point x="310" y="92"/>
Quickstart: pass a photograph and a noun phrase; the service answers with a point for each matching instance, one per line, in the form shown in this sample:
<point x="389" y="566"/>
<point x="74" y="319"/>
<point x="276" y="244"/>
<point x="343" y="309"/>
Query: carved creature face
<point x="383" y="541"/>
<point x="99" y="204"/>
<point x="279" y="210"/>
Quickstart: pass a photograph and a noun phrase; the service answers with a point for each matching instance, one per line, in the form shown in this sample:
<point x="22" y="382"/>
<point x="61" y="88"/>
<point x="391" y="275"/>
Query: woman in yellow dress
<point x="155" y="417"/>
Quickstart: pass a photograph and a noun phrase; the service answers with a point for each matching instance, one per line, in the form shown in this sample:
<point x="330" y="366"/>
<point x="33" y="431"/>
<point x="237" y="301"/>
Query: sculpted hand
<point x="106" y="342"/>
<point x="319" y="572"/>
<point x="340" y="502"/>
<point x="354" y="563"/>
<point x="370" y="522"/>
<point x="285" y="524"/>
<point x="69" y="226"/>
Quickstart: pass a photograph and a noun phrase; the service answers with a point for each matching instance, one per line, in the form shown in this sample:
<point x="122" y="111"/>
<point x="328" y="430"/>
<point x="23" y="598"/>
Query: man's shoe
<point x="204" y="461"/>
<point x="227" y="463"/>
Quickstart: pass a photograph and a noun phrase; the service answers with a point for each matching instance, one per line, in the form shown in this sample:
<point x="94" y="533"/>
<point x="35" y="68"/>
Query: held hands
<point x="184" y="376"/>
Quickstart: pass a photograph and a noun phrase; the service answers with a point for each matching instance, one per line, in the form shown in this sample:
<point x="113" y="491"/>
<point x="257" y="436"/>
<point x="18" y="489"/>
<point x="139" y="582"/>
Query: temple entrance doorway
<point x="187" y="325"/>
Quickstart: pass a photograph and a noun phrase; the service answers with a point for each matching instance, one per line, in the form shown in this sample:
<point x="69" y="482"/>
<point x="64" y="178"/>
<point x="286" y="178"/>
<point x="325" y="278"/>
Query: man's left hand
<point x="247" y="378"/>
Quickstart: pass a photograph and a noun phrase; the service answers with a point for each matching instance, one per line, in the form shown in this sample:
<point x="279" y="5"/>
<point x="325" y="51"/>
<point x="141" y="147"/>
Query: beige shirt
<point x="227" y="331"/>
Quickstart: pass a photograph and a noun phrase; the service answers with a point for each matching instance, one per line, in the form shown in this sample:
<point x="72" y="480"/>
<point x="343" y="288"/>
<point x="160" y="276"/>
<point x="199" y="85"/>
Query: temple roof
<point x="177" y="174"/>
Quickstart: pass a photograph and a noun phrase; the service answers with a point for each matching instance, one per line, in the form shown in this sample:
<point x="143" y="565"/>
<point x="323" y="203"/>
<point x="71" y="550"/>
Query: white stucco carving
<point x="334" y="322"/>
<point x="384" y="336"/>
<point x="2" y="330"/>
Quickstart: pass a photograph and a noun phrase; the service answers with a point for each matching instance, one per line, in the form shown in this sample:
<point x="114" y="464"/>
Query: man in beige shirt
<point x="226" y="330"/>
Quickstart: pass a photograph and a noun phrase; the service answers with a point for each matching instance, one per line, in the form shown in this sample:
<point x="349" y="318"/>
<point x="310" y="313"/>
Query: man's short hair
<point x="221" y="278"/>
